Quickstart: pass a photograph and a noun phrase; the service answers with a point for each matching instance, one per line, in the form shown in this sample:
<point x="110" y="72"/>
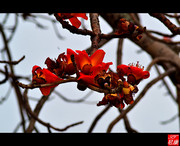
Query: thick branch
<point x="96" y="30"/>
<point x="172" y="27"/>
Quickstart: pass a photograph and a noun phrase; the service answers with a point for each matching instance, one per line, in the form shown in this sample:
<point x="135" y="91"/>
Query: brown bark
<point x="152" y="47"/>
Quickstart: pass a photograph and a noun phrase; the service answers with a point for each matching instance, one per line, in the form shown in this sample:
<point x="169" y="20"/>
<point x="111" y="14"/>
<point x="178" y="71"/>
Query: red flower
<point x="134" y="73"/>
<point x="96" y="71"/>
<point x="118" y="99"/>
<point x="43" y="76"/>
<point x="114" y="99"/>
<point x="73" y="18"/>
<point x="63" y="64"/>
<point x="92" y="69"/>
<point x="85" y="62"/>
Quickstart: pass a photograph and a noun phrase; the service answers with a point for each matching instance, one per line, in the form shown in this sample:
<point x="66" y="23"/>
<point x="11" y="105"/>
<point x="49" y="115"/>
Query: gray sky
<point x="37" y="44"/>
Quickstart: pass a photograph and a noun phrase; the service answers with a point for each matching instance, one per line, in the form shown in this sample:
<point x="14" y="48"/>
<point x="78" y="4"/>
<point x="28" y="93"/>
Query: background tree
<point x="163" y="49"/>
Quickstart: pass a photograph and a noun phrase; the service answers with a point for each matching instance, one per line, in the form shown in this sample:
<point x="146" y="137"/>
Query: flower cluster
<point x="126" y="87"/>
<point x="91" y="71"/>
<point x="125" y="27"/>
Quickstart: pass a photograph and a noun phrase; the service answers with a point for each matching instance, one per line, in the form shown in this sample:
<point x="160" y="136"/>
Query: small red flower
<point x="73" y="18"/>
<point x="127" y="28"/>
<point x="124" y="27"/>
<point x="43" y="76"/>
<point x="118" y="99"/>
<point x="91" y="66"/>
<point x="98" y="70"/>
<point x="114" y="99"/>
<point x="135" y="73"/>
<point x="85" y="62"/>
<point x="63" y="64"/>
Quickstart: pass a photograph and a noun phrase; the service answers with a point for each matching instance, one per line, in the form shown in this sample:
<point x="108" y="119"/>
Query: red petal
<point x="35" y="67"/>
<point x="82" y="15"/>
<point x="146" y="74"/>
<point x="50" y="77"/>
<point x="45" y="90"/>
<point x="123" y="69"/>
<point x="69" y="53"/>
<point x="97" y="57"/>
<point x="75" y="22"/>
<point x="82" y="58"/>
<point x="105" y="66"/>
<point x="87" y="78"/>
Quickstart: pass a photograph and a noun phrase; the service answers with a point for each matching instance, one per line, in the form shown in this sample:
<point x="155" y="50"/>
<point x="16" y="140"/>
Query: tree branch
<point x="12" y="62"/>
<point x="172" y="27"/>
<point x="48" y="125"/>
<point x="96" y="30"/>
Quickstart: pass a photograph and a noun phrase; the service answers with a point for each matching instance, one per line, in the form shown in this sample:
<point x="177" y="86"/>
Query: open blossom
<point x="134" y="72"/>
<point x="125" y="27"/>
<point x="97" y="72"/>
<point x="63" y="64"/>
<point x="44" y="76"/>
<point x="86" y="62"/>
<point x="91" y="66"/>
<point x="73" y="18"/>
<point x="124" y="95"/>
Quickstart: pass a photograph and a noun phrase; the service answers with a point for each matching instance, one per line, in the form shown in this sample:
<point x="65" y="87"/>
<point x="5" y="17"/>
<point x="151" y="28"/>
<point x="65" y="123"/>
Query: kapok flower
<point x="118" y="99"/>
<point x="115" y="99"/>
<point x="85" y="62"/>
<point x="134" y="72"/>
<point x="44" y="76"/>
<point x="73" y="18"/>
<point x="127" y="28"/>
<point x="95" y="73"/>
<point x="63" y="64"/>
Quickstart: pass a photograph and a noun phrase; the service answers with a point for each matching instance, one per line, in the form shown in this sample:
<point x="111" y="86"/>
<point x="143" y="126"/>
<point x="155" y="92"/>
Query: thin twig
<point x="13" y="82"/>
<point x="161" y="59"/>
<point x="169" y="120"/>
<point x="32" y="86"/>
<point x="6" y="75"/>
<point x="98" y="117"/>
<point x="12" y="62"/>
<point x="166" y="85"/>
<point x="73" y="29"/>
<point x="127" y="123"/>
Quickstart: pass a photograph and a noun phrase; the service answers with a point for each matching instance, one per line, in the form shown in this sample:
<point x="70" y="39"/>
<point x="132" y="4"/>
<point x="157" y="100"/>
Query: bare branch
<point x="172" y="27"/>
<point x="32" y="86"/>
<point x="96" y="30"/>
<point x="29" y="110"/>
<point x="12" y="62"/>
<point x="6" y="75"/>
<point x="98" y="117"/>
